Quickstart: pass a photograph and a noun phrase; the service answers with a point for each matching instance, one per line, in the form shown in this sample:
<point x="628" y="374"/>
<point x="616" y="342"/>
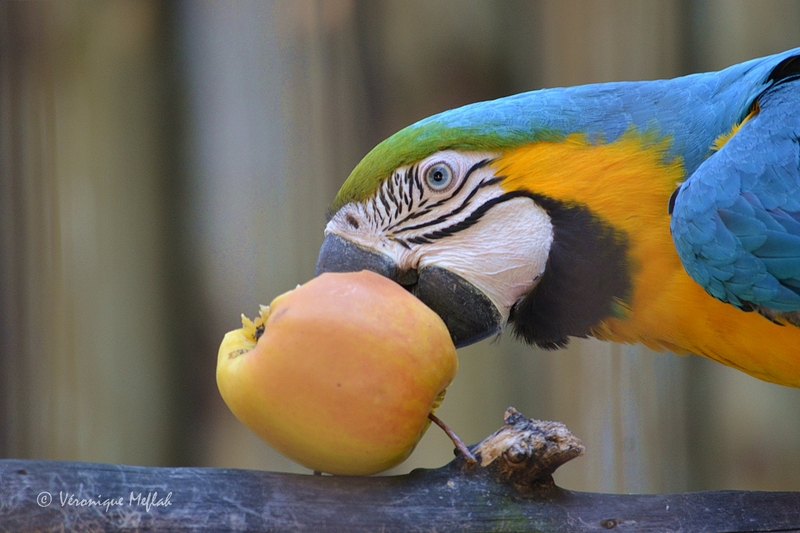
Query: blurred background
<point x="165" y="167"/>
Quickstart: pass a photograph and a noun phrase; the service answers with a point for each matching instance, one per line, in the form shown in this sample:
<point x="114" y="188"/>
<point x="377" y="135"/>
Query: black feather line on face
<point x="417" y="183"/>
<point x="401" y="242"/>
<point x="383" y="200"/>
<point x="586" y="277"/>
<point x="392" y="197"/>
<point x="421" y="212"/>
<point x="411" y="216"/>
<point x="475" y="216"/>
<point x="450" y="214"/>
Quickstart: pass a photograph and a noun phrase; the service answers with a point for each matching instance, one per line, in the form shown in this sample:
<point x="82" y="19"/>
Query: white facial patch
<point x="503" y="255"/>
<point x="450" y="211"/>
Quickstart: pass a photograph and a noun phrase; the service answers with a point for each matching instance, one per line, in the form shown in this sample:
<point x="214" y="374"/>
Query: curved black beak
<point x="469" y="315"/>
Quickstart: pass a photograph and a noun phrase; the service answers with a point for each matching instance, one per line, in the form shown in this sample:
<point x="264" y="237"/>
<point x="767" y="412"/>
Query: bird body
<point x="627" y="183"/>
<point x="653" y="212"/>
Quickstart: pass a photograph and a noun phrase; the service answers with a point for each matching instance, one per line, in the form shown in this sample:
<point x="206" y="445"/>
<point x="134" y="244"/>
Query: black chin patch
<point x="587" y="274"/>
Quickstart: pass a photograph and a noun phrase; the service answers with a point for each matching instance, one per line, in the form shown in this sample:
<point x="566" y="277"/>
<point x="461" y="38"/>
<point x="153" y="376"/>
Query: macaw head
<point x="434" y="208"/>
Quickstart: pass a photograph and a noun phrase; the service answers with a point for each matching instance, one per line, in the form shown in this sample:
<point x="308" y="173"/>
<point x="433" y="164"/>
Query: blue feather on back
<point x="736" y="219"/>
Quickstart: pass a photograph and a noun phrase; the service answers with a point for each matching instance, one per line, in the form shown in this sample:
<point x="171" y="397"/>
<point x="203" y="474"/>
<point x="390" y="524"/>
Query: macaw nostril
<point x="408" y="278"/>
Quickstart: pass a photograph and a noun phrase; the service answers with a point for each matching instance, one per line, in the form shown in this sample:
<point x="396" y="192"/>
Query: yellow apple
<point x="339" y="374"/>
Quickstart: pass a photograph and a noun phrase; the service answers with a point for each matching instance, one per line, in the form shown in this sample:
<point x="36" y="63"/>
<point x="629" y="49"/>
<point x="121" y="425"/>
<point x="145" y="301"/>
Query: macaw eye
<point x="439" y="177"/>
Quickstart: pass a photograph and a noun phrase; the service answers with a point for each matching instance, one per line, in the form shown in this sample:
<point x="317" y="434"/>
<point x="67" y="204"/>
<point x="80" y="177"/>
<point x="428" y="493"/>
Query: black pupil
<point x="438" y="175"/>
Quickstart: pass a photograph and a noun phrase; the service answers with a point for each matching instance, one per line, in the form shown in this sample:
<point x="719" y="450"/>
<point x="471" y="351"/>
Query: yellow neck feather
<point x="627" y="184"/>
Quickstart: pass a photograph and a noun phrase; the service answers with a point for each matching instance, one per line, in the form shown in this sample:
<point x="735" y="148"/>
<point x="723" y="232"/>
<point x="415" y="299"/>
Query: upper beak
<point x="468" y="313"/>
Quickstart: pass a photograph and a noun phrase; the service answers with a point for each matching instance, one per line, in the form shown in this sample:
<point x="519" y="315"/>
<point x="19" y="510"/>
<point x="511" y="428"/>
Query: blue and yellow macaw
<point x="661" y="212"/>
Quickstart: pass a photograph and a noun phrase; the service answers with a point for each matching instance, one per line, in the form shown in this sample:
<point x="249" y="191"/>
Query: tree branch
<point x="509" y="489"/>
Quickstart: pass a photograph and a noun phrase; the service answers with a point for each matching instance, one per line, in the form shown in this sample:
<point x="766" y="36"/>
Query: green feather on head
<point x="427" y="137"/>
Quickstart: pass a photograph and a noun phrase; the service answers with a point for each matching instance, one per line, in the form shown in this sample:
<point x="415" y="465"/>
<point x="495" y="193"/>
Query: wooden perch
<point x="509" y="488"/>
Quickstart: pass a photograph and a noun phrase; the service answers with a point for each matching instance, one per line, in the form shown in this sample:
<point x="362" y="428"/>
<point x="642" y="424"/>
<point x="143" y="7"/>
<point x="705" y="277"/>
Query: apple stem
<point x="460" y="446"/>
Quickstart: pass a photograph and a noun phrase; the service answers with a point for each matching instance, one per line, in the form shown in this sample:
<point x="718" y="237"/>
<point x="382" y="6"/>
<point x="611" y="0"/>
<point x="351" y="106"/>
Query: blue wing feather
<point x="736" y="219"/>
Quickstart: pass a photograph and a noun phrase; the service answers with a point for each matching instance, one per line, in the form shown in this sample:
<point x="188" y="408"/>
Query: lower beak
<point x="468" y="313"/>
